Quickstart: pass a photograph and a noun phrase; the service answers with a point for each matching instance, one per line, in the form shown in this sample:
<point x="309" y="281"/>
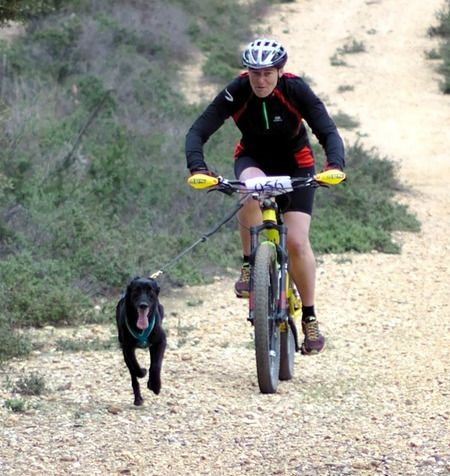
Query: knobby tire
<point x="267" y="331"/>
<point x="287" y="353"/>
<point x="288" y="345"/>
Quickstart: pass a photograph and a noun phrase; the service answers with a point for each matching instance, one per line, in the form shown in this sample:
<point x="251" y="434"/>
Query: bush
<point x="37" y="292"/>
<point x="12" y="10"/>
<point x="352" y="47"/>
<point x="442" y="30"/>
<point x="12" y="344"/>
<point x="33" y="384"/>
<point x="345" y="121"/>
<point x="16" y="405"/>
<point x="361" y="214"/>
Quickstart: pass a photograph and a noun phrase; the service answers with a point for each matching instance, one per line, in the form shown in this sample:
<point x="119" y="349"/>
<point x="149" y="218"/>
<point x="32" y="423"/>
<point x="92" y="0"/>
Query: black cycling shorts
<point x="299" y="200"/>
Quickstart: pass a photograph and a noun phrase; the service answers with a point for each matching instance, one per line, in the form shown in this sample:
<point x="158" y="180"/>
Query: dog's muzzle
<point x="143" y="311"/>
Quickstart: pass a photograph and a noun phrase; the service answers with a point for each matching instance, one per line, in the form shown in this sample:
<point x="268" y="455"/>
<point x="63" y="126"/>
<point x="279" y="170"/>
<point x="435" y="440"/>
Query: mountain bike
<point x="274" y="302"/>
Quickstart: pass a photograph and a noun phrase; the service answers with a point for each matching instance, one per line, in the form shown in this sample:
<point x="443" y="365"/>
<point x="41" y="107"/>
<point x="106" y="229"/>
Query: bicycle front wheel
<point x="267" y="330"/>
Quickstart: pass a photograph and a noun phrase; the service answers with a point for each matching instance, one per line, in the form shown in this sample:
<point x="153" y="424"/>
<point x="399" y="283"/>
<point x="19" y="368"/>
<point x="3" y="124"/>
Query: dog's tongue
<point x="142" y="322"/>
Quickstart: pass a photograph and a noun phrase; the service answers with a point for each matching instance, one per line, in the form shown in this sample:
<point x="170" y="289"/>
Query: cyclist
<point x="269" y="108"/>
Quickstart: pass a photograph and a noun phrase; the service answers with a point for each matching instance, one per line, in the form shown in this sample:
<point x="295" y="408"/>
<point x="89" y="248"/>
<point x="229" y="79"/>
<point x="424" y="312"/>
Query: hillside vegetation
<point x="442" y="31"/>
<point x="92" y="170"/>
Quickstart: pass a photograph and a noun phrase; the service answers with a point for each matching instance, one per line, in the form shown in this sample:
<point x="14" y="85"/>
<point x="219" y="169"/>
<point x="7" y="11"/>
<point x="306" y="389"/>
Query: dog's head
<point x="142" y="295"/>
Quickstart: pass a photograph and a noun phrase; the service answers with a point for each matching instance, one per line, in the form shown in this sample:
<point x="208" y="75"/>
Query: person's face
<point x="263" y="81"/>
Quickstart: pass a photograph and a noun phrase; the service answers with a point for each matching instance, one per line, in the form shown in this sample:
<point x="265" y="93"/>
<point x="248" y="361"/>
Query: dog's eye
<point x="136" y="291"/>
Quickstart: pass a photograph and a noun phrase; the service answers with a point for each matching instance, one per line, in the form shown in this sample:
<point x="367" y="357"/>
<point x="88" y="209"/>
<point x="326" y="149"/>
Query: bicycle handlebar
<point x="270" y="185"/>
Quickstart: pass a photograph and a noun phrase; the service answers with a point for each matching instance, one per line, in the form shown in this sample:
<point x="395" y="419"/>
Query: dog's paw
<point x="138" y="401"/>
<point x="142" y="372"/>
<point x="154" y="383"/>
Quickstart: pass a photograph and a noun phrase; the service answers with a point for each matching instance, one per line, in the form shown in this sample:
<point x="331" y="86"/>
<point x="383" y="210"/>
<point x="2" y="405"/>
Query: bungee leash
<point x="202" y="239"/>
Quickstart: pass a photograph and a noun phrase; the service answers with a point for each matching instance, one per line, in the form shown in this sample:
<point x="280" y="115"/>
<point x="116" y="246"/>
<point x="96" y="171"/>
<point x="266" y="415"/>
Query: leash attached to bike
<point x="202" y="239"/>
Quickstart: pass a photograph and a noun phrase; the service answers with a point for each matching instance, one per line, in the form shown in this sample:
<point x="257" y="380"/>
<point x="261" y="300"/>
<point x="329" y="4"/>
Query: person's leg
<point x="302" y="268"/>
<point x="248" y="216"/>
<point x="302" y="264"/>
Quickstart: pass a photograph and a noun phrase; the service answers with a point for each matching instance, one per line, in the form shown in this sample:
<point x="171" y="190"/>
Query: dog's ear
<point x="155" y="286"/>
<point x="130" y="284"/>
<point x="133" y="280"/>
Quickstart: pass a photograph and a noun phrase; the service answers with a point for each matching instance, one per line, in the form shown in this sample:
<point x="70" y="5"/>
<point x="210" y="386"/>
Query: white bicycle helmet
<point x="264" y="53"/>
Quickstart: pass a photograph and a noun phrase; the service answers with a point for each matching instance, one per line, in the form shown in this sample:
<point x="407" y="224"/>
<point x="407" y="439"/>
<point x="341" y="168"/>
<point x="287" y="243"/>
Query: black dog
<point x="139" y="315"/>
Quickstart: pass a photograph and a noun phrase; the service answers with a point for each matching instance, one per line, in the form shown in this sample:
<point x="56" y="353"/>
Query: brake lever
<point x="222" y="187"/>
<point x="226" y="189"/>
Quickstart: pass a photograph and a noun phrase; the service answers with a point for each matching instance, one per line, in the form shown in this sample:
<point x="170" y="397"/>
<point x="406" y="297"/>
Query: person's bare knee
<point x="298" y="224"/>
<point x="251" y="172"/>
<point x="298" y="245"/>
<point x="250" y="212"/>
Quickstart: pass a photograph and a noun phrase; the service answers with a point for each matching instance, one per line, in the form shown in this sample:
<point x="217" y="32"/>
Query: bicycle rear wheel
<point x="289" y="344"/>
<point x="267" y="330"/>
<point x="287" y="353"/>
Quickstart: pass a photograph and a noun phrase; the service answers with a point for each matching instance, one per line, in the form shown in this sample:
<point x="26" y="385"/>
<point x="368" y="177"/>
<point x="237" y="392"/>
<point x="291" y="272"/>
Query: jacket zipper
<point x="266" y="117"/>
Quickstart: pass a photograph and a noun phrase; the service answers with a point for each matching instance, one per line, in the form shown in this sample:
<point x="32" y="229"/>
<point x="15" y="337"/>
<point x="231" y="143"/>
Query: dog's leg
<point x="132" y="364"/>
<point x="156" y="358"/>
<point x="135" y="372"/>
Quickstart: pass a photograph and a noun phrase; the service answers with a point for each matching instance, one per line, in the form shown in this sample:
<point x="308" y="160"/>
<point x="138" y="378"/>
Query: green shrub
<point x="361" y="214"/>
<point x="442" y="30"/>
<point x="12" y="10"/>
<point x="344" y="121"/>
<point x="16" y="405"/>
<point x="352" y="47"/>
<point x="217" y="67"/>
<point x="58" y="41"/>
<point x="433" y="54"/>
<point x="337" y="60"/>
<point x="33" y="384"/>
<point x="345" y="87"/>
<point x="36" y="292"/>
<point x="92" y="93"/>
<point x="12" y="344"/>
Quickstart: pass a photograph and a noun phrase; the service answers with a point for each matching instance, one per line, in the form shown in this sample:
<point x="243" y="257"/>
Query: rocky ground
<point x="375" y="402"/>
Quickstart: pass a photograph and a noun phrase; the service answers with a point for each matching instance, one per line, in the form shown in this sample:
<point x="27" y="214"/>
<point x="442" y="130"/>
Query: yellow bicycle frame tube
<point x="270" y="216"/>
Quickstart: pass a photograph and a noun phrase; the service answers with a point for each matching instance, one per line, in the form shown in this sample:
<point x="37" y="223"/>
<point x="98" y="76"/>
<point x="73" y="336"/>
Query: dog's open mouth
<point x="142" y="322"/>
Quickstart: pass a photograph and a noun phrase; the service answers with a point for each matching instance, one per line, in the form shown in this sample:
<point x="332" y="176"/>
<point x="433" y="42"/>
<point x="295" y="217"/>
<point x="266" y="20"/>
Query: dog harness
<point x="142" y="337"/>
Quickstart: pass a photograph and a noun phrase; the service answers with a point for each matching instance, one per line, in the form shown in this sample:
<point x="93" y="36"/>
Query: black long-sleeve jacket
<point x="272" y="127"/>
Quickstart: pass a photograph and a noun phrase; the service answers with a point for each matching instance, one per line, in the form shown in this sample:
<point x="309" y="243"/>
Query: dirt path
<point x="376" y="402"/>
